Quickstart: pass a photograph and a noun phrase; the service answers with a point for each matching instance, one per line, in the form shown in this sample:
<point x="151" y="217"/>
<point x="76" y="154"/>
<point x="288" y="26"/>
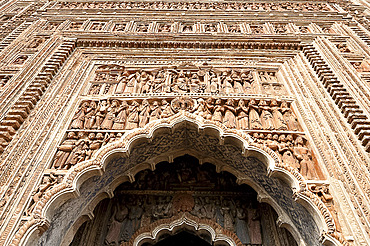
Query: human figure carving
<point x="227" y="83"/>
<point x="78" y="154"/>
<point x="266" y="116"/>
<point x="290" y="119"/>
<point x="303" y="154"/>
<point x="79" y="118"/>
<point x="229" y="118"/>
<point x="166" y="109"/>
<point x="254" y="225"/>
<point x="278" y="119"/>
<point x="90" y="115"/>
<point x="120" y="120"/>
<point x="156" y="111"/>
<point x="133" y="116"/>
<point x="242" y="118"/>
<point x="131" y="83"/>
<point x="117" y="221"/>
<point x="286" y="150"/>
<point x="100" y="113"/>
<point x="208" y="209"/>
<point x="46" y="184"/>
<point x="218" y="110"/>
<point x="214" y="83"/>
<point x="254" y="118"/>
<point x="228" y="213"/>
<point x="110" y="116"/>
<point x="64" y="150"/>
<point x="122" y="82"/>
<point x="241" y="223"/>
<point x="144" y="113"/>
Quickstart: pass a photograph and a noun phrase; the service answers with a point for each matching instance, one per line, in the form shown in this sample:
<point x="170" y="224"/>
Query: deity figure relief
<point x="201" y="108"/>
<point x="219" y="218"/>
<point x="195" y="83"/>
<point x="122" y="83"/>
<point x="181" y="85"/>
<point x="94" y="143"/>
<point x="142" y="84"/>
<point x="218" y="110"/>
<point x="159" y="81"/>
<point x="147" y="211"/>
<point x="237" y="87"/>
<point x="246" y="78"/>
<point x="197" y="210"/>
<point x="271" y="141"/>
<point x="214" y="86"/>
<point x="136" y="211"/>
<point x="208" y="209"/>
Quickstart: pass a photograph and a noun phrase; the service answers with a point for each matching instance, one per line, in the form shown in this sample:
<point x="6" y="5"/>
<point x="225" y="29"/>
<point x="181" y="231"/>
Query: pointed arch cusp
<point x="123" y="147"/>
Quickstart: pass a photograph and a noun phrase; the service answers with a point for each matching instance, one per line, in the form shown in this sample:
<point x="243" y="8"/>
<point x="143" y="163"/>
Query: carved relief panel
<point x="184" y="188"/>
<point x="118" y="80"/>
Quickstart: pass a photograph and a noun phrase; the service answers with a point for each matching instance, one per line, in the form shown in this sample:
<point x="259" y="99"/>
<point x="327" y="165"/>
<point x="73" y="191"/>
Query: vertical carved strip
<point x="22" y="108"/>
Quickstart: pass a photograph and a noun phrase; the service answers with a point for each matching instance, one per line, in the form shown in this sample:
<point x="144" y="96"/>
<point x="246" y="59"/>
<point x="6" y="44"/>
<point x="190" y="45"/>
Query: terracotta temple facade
<point x="195" y="122"/>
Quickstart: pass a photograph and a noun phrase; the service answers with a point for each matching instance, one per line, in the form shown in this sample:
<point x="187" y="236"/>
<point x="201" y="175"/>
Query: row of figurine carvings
<point x="262" y="6"/>
<point x="234" y="214"/>
<point x="118" y="80"/>
<point x="189" y="27"/>
<point x="241" y="114"/>
<point x="292" y="149"/>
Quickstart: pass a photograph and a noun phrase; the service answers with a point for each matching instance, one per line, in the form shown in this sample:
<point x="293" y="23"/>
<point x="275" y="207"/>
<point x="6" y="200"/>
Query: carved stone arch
<point x="125" y="148"/>
<point x="187" y="221"/>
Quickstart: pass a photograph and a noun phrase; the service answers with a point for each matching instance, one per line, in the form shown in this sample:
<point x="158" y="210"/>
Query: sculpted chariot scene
<point x="208" y="123"/>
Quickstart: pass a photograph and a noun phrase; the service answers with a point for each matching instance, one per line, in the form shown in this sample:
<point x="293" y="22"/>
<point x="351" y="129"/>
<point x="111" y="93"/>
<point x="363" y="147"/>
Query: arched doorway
<point x="172" y="190"/>
<point x="183" y="238"/>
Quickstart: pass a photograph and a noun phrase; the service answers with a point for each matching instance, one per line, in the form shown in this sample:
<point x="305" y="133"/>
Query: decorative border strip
<point x="343" y="99"/>
<point x="22" y="108"/>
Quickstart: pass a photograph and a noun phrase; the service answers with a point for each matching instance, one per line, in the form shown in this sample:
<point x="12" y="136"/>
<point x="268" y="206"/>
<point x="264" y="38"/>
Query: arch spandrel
<point x="122" y="162"/>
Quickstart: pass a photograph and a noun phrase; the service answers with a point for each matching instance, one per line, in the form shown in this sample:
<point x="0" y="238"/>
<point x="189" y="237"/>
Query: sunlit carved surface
<point x="95" y="93"/>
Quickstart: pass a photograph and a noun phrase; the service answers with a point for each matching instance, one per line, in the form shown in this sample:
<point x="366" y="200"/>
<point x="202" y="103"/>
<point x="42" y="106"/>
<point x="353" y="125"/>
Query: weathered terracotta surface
<point x="94" y="92"/>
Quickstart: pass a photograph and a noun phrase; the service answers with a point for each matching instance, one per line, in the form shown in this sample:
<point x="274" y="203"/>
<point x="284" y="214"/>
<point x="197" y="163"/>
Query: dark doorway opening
<point x="183" y="238"/>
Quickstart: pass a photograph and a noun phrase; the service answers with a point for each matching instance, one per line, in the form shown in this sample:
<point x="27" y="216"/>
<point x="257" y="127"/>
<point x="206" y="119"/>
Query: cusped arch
<point x="215" y="233"/>
<point x="69" y="188"/>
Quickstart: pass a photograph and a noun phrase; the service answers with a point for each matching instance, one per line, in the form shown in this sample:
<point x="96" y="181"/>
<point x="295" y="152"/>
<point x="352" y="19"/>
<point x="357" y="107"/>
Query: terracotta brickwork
<point x="94" y="93"/>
